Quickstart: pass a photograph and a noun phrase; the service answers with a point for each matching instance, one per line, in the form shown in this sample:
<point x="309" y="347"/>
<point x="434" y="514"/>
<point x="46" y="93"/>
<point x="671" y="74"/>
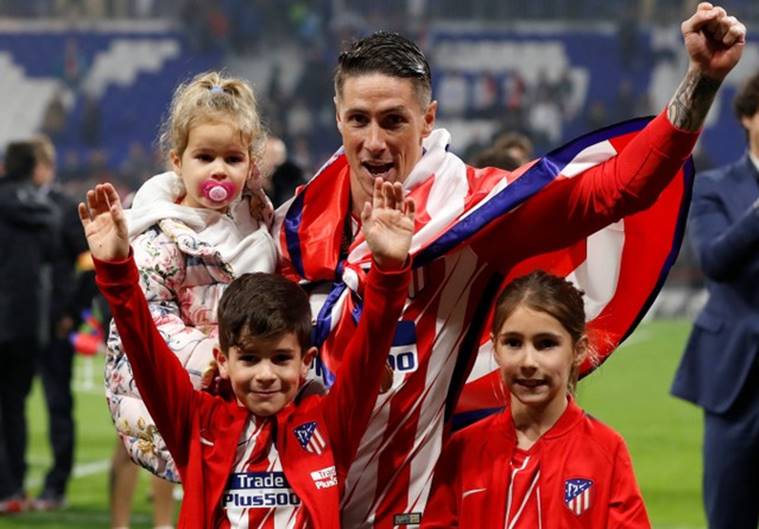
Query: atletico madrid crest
<point x="309" y="438"/>
<point x="577" y="495"/>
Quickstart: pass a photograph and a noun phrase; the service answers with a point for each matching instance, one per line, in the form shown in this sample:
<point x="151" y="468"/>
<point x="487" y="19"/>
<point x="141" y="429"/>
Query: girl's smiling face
<point x="536" y="355"/>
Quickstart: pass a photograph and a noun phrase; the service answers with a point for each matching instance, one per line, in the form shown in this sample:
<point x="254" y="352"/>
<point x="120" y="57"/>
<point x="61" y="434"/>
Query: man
<point x="470" y="236"/>
<point x="719" y="369"/>
<point x="56" y="358"/>
<point x="28" y="225"/>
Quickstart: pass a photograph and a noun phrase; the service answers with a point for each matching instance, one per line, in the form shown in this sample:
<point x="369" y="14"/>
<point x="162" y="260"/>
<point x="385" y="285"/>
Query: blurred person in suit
<point x="56" y="358"/>
<point x="719" y="370"/>
<point x="29" y="222"/>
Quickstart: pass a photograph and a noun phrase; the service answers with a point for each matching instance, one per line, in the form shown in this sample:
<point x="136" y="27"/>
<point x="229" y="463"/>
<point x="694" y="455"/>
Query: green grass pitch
<point x="629" y="392"/>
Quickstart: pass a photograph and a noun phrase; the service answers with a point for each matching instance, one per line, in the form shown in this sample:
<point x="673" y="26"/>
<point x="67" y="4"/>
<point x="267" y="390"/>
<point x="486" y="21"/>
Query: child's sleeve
<point x="626" y="508"/>
<point x="162" y="381"/>
<point x="348" y="405"/>
<point x="442" y="509"/>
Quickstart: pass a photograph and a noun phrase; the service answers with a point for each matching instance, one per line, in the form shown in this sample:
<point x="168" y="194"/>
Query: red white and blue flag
<point x="577" y="495"/>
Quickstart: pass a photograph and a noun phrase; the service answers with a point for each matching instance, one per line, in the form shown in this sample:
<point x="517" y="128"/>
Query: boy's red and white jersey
<point x="258" y="494"/>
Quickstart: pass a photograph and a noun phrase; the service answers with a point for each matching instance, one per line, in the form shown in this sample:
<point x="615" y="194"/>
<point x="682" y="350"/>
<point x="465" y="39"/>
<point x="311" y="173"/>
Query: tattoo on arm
<point x="688" y="107"/>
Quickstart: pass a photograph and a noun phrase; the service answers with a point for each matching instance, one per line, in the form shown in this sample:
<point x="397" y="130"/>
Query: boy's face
<point x="265" y="374"/>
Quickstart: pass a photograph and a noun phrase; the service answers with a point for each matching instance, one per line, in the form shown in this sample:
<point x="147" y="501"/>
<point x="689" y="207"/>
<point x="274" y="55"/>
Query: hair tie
<point x="216" y="89"/>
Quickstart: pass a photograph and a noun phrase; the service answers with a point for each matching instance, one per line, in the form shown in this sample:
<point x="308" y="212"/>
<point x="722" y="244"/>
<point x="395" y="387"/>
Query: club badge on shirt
<point x="309" y="438"/>
<point x="577" y="495"/>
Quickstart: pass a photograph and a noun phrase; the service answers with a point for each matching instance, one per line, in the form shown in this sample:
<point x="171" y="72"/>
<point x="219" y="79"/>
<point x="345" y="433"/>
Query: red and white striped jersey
<point x="523" y="497"/>
<point x="258" y="494"/>
<point x="606" y="211"/>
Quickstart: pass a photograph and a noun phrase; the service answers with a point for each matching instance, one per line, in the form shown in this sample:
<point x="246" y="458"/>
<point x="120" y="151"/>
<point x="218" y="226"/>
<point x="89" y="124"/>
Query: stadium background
<point x="97" y="76"/>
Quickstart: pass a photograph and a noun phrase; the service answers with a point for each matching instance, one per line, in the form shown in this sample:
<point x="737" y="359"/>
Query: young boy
<point x="264" y="456"/>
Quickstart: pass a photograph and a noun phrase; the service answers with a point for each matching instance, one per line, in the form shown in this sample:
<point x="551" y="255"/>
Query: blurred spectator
<point x="280" y="176"/>
<point x="28" y="225"/>
<point x="596" y="116"/>
<point x="54" y="119"/>
<point x="626" y="102"/>
<point x="74" y="64"/>
<point x="509" y="151"/>
<point x="90" y="130"/>
<point x="56" y="358"/>
<point x="136" y="168"/>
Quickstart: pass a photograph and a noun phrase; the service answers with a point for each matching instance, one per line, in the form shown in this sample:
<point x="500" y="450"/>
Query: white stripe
<point x="313" y="443"/>
<point x="497" y="188"/>
<point x="510" y="495"/>
<point x="361" y="495"/>
<point x="319" y="439"/>
<point x="80" y="471"/>
<point x="598" y="276"/>
<point x="526" y="498"/>
<point x="462" y="271"/>
<point x="589" y="157"/>
<point x="470" y="492"/>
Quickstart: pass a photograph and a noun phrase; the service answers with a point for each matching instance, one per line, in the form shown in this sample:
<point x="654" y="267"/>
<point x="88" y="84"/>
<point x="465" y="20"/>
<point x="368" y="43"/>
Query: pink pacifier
<point x="217" y="191"/>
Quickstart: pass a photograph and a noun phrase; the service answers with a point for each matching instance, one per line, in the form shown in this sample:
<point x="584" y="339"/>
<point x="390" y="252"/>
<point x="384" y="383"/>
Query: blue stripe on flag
<point x="292" y="223"/>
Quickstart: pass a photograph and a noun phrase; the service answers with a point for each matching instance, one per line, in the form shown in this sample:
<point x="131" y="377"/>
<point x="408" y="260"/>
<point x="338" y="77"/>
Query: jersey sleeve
<point x="626" y="508"/>
<point x="162" y="381"/>
<point x="348" y="405"/>
<point x="568" y="209"/>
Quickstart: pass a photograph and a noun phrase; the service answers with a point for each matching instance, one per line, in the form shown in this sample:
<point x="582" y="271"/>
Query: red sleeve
<point x="348" y="406"/>
<point x="626" y="508"/>
<point x="569" y="209"/>
<point x="163" y="383"/>
<point x="442" y="510"/>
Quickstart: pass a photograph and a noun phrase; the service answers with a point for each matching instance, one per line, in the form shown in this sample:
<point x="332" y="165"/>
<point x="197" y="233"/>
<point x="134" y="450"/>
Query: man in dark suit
<point x="66" y="306"/>
<point x="29" y="222"/>
<point x="720" y="368"/>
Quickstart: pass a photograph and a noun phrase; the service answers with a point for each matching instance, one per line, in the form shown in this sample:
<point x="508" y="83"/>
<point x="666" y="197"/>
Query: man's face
<point x="752" y="126"/>
<point x="44" y="173"/>
<point x="265" y="374"/>
<point x="383" y="123"/>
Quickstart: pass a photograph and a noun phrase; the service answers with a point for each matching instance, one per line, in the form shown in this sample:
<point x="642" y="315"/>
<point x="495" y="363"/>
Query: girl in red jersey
<point x="543" y="462"/>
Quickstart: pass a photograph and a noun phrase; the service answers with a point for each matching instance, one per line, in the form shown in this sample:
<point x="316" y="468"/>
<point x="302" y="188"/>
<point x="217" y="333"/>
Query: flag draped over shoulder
<point x="621" y="268"/>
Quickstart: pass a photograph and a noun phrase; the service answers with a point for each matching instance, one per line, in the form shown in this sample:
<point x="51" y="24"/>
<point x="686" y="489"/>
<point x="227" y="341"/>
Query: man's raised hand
<point x="388" y="224"/>
<point x="104" y="224"/>
<point x="714" y="40"/>
<point x="715" y="43"/>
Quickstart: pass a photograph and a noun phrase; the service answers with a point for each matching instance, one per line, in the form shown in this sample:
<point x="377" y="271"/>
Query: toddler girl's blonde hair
<point x="211" y="97"/>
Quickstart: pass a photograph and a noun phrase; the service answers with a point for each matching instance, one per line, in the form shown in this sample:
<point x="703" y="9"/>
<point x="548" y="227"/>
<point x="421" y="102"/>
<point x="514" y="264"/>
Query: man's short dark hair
<point x="264" y="306"/>
<point x="20" y="160"/>
<point x="746" y="102"/>
<point x="389" y="54"/>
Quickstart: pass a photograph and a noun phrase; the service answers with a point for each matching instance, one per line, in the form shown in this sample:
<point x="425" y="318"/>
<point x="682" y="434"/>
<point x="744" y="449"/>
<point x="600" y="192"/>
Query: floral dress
<point x="183" y="276"/>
